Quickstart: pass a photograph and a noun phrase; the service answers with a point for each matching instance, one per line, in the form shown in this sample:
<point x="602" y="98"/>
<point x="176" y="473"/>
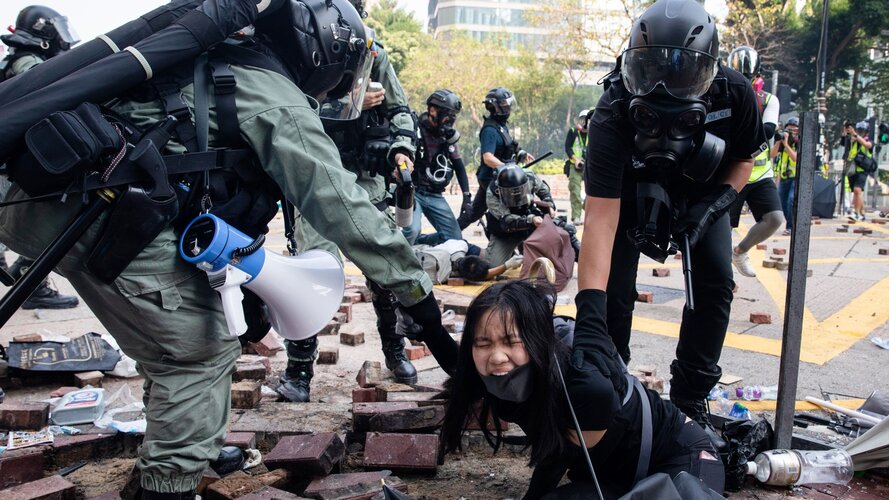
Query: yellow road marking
<point x="853" y="404"/>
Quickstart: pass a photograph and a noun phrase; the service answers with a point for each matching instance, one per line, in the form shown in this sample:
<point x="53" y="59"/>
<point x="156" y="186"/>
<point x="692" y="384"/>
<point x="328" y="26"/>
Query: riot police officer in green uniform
<point x="512" y="213"/>
<point x="162" y="310"/>
<point x="40" y="33"/>
<point x="371" y="147"/>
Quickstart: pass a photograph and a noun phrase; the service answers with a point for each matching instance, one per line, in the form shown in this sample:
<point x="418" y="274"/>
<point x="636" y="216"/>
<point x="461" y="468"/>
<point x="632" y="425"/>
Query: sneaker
<point x="787" y="232"/>
<point x="743" y="265"/>
<point x="697" y="410"/>
<point x="46" y="297"/>
<point x="861" y="217"/>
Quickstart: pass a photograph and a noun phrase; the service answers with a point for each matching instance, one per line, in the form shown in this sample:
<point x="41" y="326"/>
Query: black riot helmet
<point x="674" y="45"/>
<point x="513" y="186"/>
<point x="40" y="28"/>
<point x="447" y="106"/>
<point x="744" y="60"/>
<point x="499" y="102"/>
<point x="326" y="46"/>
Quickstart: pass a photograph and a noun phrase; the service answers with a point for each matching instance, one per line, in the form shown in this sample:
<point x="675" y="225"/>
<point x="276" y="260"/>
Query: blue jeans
<point x="438" y="212"/>
<point x="785" y="192"/>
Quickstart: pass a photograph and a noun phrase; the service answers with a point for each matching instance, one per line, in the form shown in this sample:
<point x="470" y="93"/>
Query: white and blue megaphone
<point x="302" y="292"/>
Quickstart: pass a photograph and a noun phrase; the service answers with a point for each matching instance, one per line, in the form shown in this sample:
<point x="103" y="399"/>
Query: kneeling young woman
<point x="513" y="361"/>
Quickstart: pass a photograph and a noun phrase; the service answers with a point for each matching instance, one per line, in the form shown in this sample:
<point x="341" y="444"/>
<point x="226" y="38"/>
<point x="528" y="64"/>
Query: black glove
<point x="422" y="321"/>
<point x="375" y="152"/>
<point x="699" y="216"/>
<point x="466" y="207"/>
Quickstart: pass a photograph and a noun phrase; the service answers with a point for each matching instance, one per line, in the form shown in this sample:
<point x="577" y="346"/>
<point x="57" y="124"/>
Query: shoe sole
<point x="30" y="307"/>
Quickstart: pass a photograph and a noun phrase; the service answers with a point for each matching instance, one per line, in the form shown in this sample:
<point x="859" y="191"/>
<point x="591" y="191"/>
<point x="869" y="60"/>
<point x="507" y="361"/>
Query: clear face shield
<point x="348" y="106"/>
<point x="685" y="74"/>
<point x="68" y="37"/>
<point x="516" y="197"/>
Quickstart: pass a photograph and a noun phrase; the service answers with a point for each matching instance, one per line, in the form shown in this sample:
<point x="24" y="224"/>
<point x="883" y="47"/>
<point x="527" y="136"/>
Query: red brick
<point x="357" y="485"/>
<point x="267" y="347"/>
<point x="242" y="440"/>
<point x="660" y="272"/>
<point x="352" y="338"/>
<point x="769" y="264"/>
<point x="777" y="259"/>
<point x="271" y="493"/>
<point x="879" y="221"/>
<point x="816" y="222"/>
<point x="842" y="229"/>
<point x="314" y="454"/>
<point x="364" y="395"/>
<point x="71" y="449"/>
<point x="779" y="251"/>
<point x="328" y="355"/>
<point x="370" y="374"/>
<point x="863" y="230"/>
<point x="332" y="328"/>
<point x="31" y="337"/>
<point x="20" y="466"/>
<point x="252" y="371"/>
<point x="208" y="478"/>
<point x="761" y="318"/>
<point x="645" y="297"/>
<point x="424" y="418"/>
<point x="383" y="390"/>
<point x="61" y="391"/>
<point x="415" y="352"/>
<point x="782" y="266"/>
<point x="246" y="394"/>
<point x="93" y="378"/>
<point x="456" y="282"/>
<point x="238" y="483"/>
<point x="363" y="412"/>
<point x="340" y="318"/>
<point x="401" y="451"/>
<point x="347" y="310"/>
<point x="23" y="416"/>
<point x="351" y="297"/>
<point x="883" y="251"/>
<point x="50" y="488"/>
<point x="762" y="246"/>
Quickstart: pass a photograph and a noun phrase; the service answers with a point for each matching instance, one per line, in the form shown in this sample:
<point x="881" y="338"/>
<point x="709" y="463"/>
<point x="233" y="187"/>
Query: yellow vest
<point x="579" y="146"/>
<point x="762" y="164"/>
<point x="853" y="152"/>
<point x="786" y="167"/>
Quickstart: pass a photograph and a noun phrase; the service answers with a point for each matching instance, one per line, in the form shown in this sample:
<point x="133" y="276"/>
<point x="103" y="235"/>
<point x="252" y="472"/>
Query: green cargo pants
<point x="575" y="193"/>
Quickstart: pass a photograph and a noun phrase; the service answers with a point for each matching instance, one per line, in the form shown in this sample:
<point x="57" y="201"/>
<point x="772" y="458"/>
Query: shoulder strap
<point x="647" y="434"/>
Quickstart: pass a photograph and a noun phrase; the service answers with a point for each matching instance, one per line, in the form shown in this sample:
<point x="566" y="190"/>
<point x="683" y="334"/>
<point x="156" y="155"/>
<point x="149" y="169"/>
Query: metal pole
<point x="774" y="89"/>
<point x="795" y="301"/>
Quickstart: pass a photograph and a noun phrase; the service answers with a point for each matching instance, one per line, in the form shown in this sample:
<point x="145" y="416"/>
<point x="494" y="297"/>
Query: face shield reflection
<point x="348" y="107"/>
<point x="66" y="32"/>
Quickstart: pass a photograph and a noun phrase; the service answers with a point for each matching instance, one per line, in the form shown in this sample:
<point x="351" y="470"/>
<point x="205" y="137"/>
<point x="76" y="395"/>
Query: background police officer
<point x="497" y="147"/>
<point x="669" y="79"/>
<point x="438" y="160"/>
<point x="760" y="192"/>
<point x="162" y="310"/>
<point x="40" y="33"/>
<point x="575" y="149"/>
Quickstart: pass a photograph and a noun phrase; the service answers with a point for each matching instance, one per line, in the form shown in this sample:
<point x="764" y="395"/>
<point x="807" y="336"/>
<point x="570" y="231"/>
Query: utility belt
<point x="90" y="149"/>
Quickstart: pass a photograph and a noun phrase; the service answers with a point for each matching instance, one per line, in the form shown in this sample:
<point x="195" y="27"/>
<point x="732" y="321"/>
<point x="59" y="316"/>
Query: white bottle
<point x="793" y="467"/>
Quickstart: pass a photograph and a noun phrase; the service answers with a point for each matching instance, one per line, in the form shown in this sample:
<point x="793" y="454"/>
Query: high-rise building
<point x="484" y="20"/>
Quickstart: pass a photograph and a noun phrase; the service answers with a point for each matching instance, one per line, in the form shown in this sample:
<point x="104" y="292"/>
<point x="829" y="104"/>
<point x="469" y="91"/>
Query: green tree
<point x="400" y="34"/>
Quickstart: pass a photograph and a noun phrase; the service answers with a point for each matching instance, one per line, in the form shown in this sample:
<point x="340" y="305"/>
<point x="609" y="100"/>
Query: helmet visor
<point x="66" y="32"/>
<point x="685" y="74"/>
<point x="515" y="197"/>
<point x="348" y="107"/>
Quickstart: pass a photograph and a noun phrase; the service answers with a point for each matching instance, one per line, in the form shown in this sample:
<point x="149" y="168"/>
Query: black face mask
<point x="515" y="386"/>
<point x="670" y="136"/>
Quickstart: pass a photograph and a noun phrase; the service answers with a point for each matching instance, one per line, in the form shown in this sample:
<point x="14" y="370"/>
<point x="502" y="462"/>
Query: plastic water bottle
<point x="749" y="392"/>
<point x="794" y="467"/>
<point x="717" y="393"/>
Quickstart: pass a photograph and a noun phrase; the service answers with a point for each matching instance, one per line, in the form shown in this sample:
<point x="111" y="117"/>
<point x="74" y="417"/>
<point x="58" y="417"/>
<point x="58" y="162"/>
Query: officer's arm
<point x="542" y="191"/>
<point x="491" y="160"/>
<point x="738" y="173"/>
<point x="600" y="225"/>
<point x="508" y="221"/>
<point x="401" y="123"/>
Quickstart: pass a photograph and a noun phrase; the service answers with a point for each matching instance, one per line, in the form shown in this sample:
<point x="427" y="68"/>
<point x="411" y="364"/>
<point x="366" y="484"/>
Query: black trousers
<point x="702" y="332"/>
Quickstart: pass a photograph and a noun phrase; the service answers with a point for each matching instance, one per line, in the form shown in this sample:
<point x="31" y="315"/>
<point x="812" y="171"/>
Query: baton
<point x="542" y="157"/>
<point x="686" y="272"/>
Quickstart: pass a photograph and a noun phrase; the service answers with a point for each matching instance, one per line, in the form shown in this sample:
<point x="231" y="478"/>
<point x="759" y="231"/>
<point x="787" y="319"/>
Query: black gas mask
<point x="670" y="136"/>
<point x="654" y="213"/>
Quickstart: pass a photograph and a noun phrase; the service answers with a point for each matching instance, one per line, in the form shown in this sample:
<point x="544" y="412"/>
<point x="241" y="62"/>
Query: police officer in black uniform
<point x="497" y="148"/>
<point x="676" y="131"/>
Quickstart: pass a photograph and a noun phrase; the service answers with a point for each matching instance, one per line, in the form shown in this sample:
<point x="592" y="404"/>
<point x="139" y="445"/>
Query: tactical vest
<point x="350" y="136"/>
<point x="435" y="172"/>
<point x="14" y="55"/>
<point x="508" y="149"/>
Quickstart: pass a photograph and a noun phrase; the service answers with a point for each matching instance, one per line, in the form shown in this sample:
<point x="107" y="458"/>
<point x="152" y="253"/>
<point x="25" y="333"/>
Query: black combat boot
<point x="297" y="377"/>
<point x="230" y="459"/>
<point x="697" y="410"/>
<point x="396" y="360"/>
<point x="44" y="297"/>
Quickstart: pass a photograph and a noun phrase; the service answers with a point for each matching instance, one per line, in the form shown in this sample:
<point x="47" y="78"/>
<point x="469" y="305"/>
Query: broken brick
<point x="207" y="478"/>
<point x="252" y="371"/>
<point x="23" y="416"/>
<point x="863" y="230"/>
<point x="777" y="259"/>
<point x="346" y="309"/>
<point x="660" y="272"/>
<point x="242" y="440"/>
<point x="314" y="454"/>
<point x="408" y="420"/>
<point x="340" y="318"/>
<point x="364" y="395"/>
<point x="363" y="412"/>
<point x="816" y="222"/>
<point x="238" y="483"/>
<point x="49" y="488"/>
<point x="383" y="390"/>
<point x="782" y="266"/>
<point x="331" y="328"/>
<point x="267" y="347"/>
<point x="647" y="297"/>
<point x="353" y="486"/>
<point x="769" y="264"/>
<point x="883" y="251"/>
<point x="761" y="318"/>
<point x="246" y="394"/>
<point x="762" y="246"/>
<point x="31" y="337"/>
<point x="401" y="451"/>
<point x="456" y="282"/>
<point x="351" y="297"/>
<point x="842" y="229"/>
<point x="370" y="374"/>
<point x="71" y="449"/>
<point x="352" y="338"/>
<point x="809" y="273"/>
<point x="61" y="391"/>
<point x="20" y="466"/>
<point x="271" y="493"/>
<point x="93" y="378"/>
<point x="328" y="355"/>
<point x="415" y="352"/>
<point x="779" y="251"/>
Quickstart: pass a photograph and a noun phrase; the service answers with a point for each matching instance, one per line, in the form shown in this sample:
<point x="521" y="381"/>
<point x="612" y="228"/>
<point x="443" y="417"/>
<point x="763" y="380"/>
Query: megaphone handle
<point x="233" y="307"/>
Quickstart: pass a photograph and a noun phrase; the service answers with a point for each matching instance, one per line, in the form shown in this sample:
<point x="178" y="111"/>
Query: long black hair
<point x="526" y="308"/>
